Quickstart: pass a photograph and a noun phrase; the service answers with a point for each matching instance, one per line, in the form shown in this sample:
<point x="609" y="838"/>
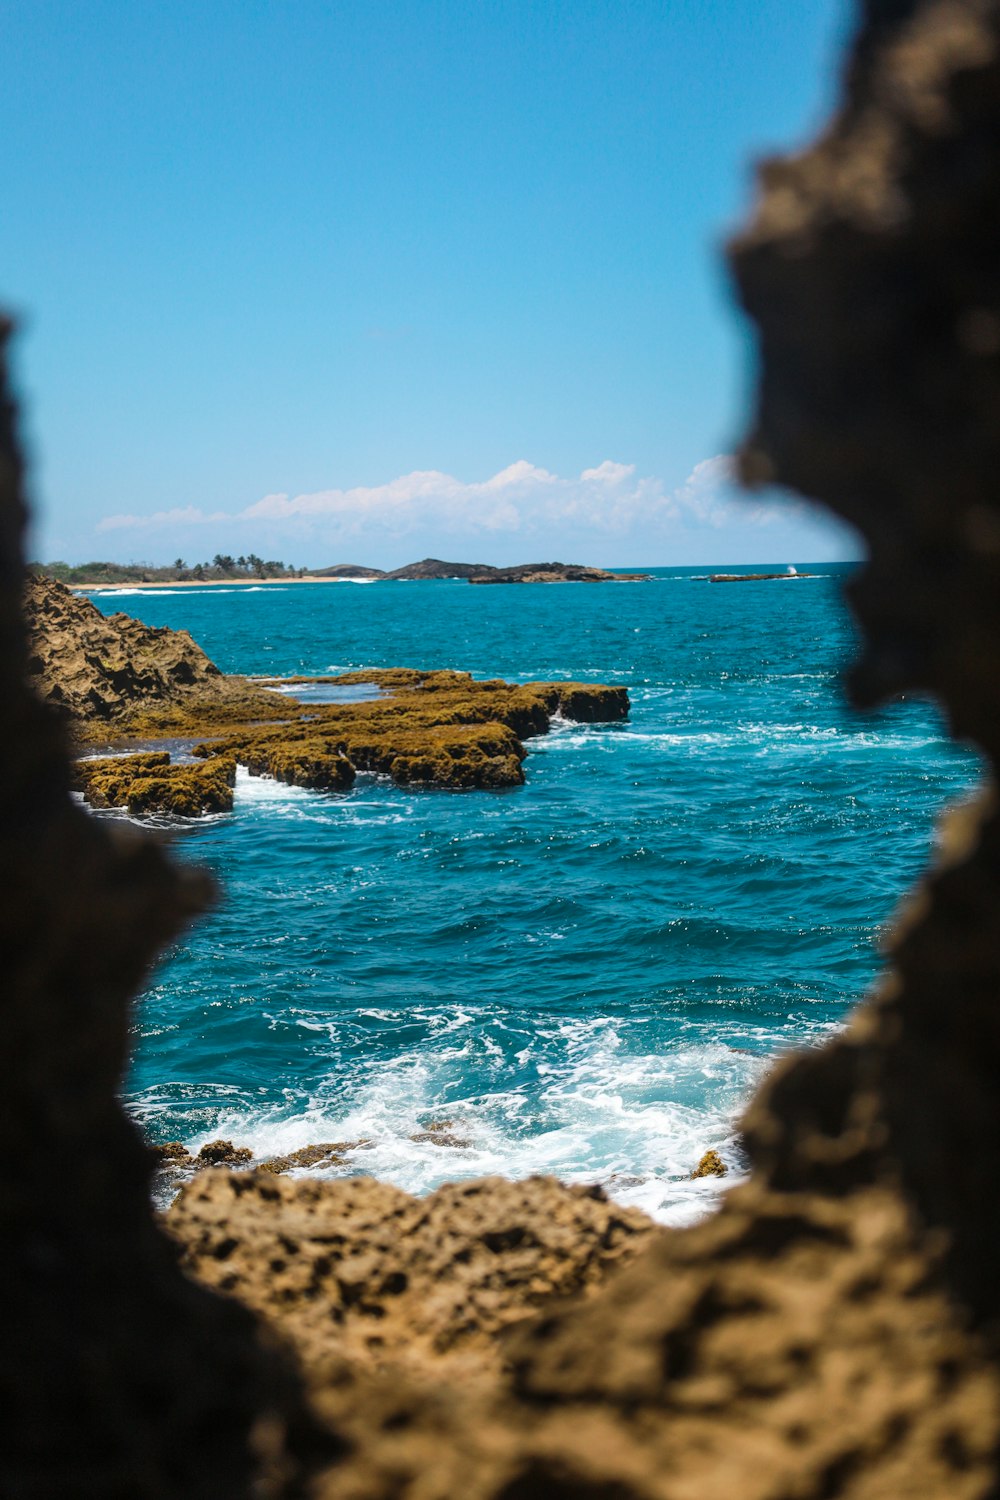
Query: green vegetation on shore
<point x="222" y="566"/>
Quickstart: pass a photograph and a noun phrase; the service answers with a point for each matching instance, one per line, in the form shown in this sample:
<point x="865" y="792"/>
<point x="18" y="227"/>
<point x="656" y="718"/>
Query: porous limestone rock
<point x="354" y="1266"/>
<point x="435" y="729"/>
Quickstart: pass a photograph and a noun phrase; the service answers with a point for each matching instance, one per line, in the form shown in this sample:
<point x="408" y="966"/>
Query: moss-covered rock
<point x="711" y="1165"/>
<point x="311" y="763"/>
<point x="434" y="729"/>
<point x="119" y="680"/>
<point x="149" y="783"/>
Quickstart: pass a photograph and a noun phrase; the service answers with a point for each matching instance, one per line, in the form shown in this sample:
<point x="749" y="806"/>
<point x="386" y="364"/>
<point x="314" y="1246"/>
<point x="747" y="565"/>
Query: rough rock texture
<point x="357" y="1267"/>
<point x="710" y="1165"/>
<point x="108" y="673"/>
<point x="832" y="1331"/>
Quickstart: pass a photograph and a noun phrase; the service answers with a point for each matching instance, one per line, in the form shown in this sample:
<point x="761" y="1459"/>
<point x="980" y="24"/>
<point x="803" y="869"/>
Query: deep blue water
<point x="587" y="975"/>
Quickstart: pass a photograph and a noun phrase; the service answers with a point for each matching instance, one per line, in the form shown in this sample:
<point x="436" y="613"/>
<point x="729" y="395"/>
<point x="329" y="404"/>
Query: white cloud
<point x="602" y="505"/>
<point x="181" y="515"/>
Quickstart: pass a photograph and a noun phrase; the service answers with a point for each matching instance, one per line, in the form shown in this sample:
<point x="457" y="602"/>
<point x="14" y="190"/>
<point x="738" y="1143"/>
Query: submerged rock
<point x="323" y="1154"/>
<point x="440" y="1133"/>
<point x="224" y="1153"/>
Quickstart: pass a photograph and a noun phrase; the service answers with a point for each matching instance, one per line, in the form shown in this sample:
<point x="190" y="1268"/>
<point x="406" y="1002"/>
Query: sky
<point x="383" y="279"/>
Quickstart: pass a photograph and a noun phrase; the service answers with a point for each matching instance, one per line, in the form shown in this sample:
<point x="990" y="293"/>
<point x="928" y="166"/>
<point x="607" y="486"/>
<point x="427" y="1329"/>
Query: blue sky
<point x="371" y="281"/>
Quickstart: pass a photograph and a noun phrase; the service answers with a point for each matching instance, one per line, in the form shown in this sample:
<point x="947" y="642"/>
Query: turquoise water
<point x="586" y="975"/>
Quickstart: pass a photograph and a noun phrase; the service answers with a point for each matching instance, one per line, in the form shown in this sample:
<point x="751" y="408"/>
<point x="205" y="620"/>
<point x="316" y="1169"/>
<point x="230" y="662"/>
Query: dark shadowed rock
<point x="224" y="1153"/>
<point x="120" y="1375"/>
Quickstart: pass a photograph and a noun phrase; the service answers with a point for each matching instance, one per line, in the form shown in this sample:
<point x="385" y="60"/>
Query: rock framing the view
<point x="831" y="1331"/>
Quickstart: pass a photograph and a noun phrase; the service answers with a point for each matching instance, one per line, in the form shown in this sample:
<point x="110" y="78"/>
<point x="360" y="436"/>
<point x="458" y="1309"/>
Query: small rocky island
<point x="125" y="688"/>
<point x="432" y="568"/>
<point x="786" y="577"/>
<point x="556" y="573"/>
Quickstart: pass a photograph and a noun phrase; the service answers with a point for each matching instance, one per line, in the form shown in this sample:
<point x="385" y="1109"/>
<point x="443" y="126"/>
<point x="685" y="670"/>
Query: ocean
<point x="587" y="975"/>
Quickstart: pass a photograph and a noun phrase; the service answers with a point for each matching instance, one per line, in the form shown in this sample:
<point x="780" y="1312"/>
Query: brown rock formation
<point x="150" y="783"/>
<point x="710" y="1165"/>
<point x="555" y="572"/>
<point x="361" y="1269"/>
<point x="832" y="1331"/>
<point x="108" y="673"/>
<point x="438" y="729"/>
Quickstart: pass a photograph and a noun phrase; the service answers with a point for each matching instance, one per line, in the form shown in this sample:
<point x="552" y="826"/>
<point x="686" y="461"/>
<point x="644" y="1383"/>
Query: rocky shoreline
<point x="124" y="686"/>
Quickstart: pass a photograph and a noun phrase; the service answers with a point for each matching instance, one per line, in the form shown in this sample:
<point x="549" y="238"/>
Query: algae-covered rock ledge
<point x="125" y="686"/>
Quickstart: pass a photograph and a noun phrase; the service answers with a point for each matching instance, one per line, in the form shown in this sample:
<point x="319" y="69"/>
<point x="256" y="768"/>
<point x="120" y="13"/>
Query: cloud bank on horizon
<point x="608" y="512"/>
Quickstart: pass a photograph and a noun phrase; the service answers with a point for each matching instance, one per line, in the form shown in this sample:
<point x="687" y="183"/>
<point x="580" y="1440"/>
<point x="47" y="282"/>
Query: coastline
<point x="131" y="585"/>
<point x="431" y="572"/>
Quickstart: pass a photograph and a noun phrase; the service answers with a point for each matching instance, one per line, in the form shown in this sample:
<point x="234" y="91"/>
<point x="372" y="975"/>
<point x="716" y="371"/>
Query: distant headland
<point x="255" y="570"/>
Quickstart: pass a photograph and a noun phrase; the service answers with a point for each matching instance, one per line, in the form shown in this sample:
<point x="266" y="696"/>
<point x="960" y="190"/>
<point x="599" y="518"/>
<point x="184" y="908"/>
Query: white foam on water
<point x="161" y="593"/>
<point x="596" y="1112"/>
<point x="256" y="795"/>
